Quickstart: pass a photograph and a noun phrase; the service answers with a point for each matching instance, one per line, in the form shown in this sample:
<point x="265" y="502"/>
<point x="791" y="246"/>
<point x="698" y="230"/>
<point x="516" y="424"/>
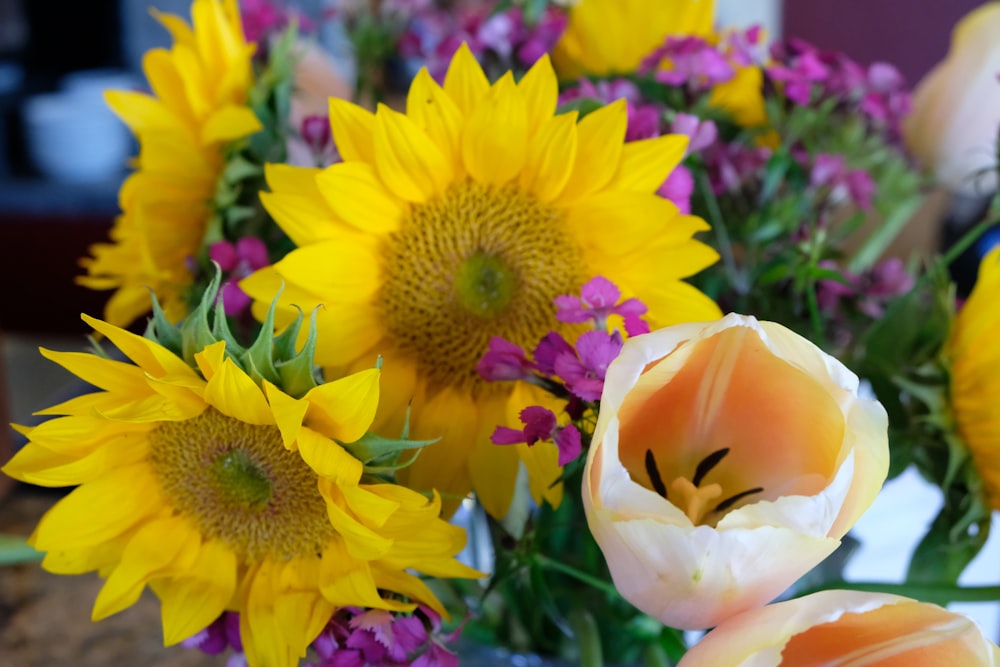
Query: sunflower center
<point x="239" y="484"/>
<point x="241" y="480"/>
<point x="484" y="285"/>
<point x="476" y="262"/>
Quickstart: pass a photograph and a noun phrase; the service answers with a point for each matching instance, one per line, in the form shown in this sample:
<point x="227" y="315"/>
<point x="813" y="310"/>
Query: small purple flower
<point x="551" y="346"/>
<point x="584" y="371"/>
<point x="678" y="188"/>
<point x="702" y="133"/>
<point x="237" y="261"/>
<point x="598" y="300"/>
<point x="504" y="361"/>
<point x="222" y="634"/>
<point x="540" y="425"/>
<point x="805" y="70"/>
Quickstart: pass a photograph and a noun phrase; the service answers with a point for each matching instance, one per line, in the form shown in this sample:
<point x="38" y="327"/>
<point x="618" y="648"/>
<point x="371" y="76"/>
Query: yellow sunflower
<point x="198" y="106"/>
<point x="462" y="219"/>
<point x="975" y="374"/>
<point x="609" y="37"/>
<point x="222" y="492"/>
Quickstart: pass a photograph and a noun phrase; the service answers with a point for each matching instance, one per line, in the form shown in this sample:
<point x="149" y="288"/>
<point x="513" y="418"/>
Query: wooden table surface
<point x="45" y="618"/>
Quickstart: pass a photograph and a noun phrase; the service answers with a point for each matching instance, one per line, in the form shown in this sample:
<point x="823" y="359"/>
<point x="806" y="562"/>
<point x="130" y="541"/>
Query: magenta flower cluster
<point x="237" y="261"/>
<point x="809" y="75"/>
<point x="432" y="36"/>
<point x="574" y="372"/>
<point x="354" y="637"/>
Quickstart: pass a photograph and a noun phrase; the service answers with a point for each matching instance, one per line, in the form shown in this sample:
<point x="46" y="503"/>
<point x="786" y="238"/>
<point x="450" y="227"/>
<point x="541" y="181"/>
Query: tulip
<point x="729" y="458"/>
<point x="956" y="108"/>
<point x="845" y="628"/>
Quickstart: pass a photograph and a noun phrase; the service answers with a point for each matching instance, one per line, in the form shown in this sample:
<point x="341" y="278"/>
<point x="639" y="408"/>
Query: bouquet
<point x="568" y="329"/>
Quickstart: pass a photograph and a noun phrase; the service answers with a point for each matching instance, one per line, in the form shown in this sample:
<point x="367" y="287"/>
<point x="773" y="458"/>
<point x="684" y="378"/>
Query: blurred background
<point x="63" y="154"/>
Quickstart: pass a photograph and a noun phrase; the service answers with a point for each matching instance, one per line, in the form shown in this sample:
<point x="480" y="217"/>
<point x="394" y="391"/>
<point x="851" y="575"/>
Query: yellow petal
<point x="355" y="194"/>
<point x="601" y="135"/>
<point x="551" y="155"/>
<point x="327" y="458"/>
<point x="345" y="580"/>
<point x="157" y="547"/>
<point x="340" y="272"/>
<point x="352" y="130"/>
<point x="100" y="510"/>
<point x="229" y="123"/>
<point x="465" y="81"/>
<point x="193" y="600"/>
<point x="407" y="161"/>
<point x="150" y="356"/>
<point x="260" y="629"/>
<point x="434" y="112"/>
<point x="495" y="142"/>
<point x="344" y="408"/>
<point x="541" y="93"/>
<point x="289" y="413"/>
<point x="646" y="164"/>
<point x="233" y="393"/>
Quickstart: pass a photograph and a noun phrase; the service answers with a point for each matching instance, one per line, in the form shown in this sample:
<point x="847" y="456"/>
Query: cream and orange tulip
<point x="845" y="628"/>
<point x="955" y="121"/>
<point x="729" y="458"/>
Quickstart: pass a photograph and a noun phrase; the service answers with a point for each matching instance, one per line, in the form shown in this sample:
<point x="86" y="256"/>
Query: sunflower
<point x="198" y="106"/>
<point x="613" y="37"/>
<point x="461" y="220"/>
<point x="223" y="492"/>
<point x="974" y="357"/>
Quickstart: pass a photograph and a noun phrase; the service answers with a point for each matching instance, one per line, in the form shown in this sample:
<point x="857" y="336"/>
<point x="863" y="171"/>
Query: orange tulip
<point x="729" y="459"/>
<point x="956" y="108"/>
<point x="845" y="628"/>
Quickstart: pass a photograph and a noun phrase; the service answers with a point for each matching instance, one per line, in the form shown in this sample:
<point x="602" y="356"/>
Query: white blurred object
<point x="745" y="13"/>
<point x="890" y="530"/>
<point x="72" y="135"/>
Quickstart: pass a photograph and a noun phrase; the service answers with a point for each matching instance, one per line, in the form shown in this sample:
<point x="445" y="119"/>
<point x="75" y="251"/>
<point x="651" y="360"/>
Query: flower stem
<point x="966" y="240"/>
<point x="588" y="579"/>
<point x="587" y="637"/>
<point x="937" y="593"/>
<point x="653" y="655"/>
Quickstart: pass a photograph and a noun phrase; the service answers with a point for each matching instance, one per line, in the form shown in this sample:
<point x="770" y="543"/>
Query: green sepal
<point x="297" y="370"/>
<point x="160" y="329"/>
<point x="196" y="333"/>
<point x="259" y="357"/>
<point x="382" y="452"/>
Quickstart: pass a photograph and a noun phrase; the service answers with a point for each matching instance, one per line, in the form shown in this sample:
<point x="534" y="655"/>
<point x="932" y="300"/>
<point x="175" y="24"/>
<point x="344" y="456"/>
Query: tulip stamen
<point x="654" y="474"/>
<point x="694" y="500"/>
<point x="732" y="500"/>
<point x="708" y="464"/>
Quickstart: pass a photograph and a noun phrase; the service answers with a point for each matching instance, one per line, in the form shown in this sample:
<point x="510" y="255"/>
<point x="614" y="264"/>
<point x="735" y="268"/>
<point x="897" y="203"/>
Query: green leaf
<point x="15" y="551"/>
<point x="582" y="105"/>
<point x="884" y="234"/>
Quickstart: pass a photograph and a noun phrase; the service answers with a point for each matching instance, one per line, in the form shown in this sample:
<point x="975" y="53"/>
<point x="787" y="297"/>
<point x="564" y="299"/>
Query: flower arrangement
<point x="603" y="344"/>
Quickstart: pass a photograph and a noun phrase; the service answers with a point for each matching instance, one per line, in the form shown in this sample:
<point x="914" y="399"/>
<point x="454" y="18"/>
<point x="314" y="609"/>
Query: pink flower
<point x="540" y="425"/>
<point x="678" y="188"/>
<point x="805" y="70"/>
<point x="702" y="133"/>
<point x="598" y="300"/>
<point x="237" y="262"/>
<point x="584" y="371"/>
<point x="504" y="361"/>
